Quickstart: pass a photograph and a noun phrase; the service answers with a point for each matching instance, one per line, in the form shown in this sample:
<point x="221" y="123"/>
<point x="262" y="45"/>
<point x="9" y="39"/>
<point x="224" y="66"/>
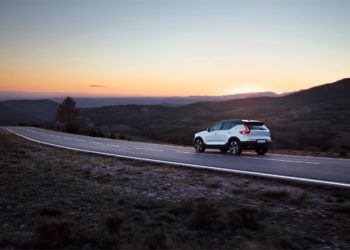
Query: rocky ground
<point x="55" y="198"/>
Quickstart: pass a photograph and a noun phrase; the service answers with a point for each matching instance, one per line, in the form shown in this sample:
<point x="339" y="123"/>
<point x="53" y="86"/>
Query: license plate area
<point x="261" y="141"/>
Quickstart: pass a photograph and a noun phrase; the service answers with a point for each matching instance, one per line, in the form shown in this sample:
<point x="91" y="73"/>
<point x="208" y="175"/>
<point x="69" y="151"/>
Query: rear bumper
<point x="255" y="144"/>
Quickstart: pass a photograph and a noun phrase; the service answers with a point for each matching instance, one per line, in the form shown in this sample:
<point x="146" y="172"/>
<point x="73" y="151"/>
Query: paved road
<point x="331" y="171"/>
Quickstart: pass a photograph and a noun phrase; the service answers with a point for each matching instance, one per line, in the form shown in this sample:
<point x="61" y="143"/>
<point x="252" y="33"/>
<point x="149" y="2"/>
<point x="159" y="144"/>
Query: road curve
<point x="321" y="170"/>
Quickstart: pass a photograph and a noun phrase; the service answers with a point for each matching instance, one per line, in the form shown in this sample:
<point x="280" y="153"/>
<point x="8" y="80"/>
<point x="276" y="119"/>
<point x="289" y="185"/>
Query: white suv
<point x="234" y="136"/>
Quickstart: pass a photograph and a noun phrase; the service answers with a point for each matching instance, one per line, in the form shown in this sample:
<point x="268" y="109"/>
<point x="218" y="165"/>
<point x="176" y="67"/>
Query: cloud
<point x="97" y="86"/>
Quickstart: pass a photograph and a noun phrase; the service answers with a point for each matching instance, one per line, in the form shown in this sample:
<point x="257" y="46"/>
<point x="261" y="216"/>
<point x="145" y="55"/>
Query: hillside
<point x="313" y="119"/>
<point x="27" y="111"/>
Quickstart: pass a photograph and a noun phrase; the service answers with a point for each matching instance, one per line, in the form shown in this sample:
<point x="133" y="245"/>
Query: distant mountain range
<point x="27" y="111"/>
<point x="314" y="119"/>
<point x="90" y="102"/>
<point x="165" y="101"/>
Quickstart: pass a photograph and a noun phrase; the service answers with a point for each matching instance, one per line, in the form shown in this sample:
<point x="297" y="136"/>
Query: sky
<point x="172" y="48"/>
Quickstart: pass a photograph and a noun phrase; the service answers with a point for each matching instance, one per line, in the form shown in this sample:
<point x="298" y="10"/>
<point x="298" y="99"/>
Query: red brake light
<point x="246" y="131"/>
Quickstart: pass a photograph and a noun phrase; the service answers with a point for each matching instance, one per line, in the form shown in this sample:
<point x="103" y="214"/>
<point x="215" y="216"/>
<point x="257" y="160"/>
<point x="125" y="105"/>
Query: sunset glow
<point x="172" y="48"/>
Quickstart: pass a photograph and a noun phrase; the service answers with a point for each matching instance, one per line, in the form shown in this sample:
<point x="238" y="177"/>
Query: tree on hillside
<point x="67" y="112"/>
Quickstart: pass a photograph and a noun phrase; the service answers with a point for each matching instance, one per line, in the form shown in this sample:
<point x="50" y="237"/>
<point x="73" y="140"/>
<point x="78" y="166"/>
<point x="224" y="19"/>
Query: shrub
<point x="114" y="223"/>
<point x="205" y="215"/>
<point x="94" y="132"/>
<point x="156" y="239"/>
<point x="48" y="211"/>
<point x="214" y="184"/>
<point x="52" y="233"/>
<point x="72" y="128"/>
<point x="274" y="194"/>
<point x="36" y="125"/>
<point x="244" y="217"/>
<point x="182" y="209"/>
<point x="343" y="209"/>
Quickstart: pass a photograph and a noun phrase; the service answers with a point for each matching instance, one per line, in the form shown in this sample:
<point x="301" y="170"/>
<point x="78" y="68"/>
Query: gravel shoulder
<point x="55" y="198"/>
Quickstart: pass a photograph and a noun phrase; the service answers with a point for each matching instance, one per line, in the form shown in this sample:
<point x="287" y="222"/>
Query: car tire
<point x="261" y="151"/>
<point x="199" y="145"/>
<point x="234" y="147"/>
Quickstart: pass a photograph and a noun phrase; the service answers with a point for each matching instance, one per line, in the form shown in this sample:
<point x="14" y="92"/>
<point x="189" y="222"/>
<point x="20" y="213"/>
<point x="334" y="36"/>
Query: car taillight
<point x="246" y="131"/>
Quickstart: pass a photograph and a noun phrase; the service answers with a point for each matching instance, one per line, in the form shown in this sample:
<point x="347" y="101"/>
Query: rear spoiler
<point x="253" y="122"/>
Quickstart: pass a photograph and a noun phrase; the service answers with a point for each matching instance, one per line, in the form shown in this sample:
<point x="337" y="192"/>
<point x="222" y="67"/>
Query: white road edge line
<point x="308" y="156"/>
<point x="185" y="152"/>
<point x="332" y="183"/>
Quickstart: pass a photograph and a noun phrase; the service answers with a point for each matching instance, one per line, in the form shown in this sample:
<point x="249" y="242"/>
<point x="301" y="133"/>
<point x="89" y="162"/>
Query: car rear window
<point x="256" y="125"/>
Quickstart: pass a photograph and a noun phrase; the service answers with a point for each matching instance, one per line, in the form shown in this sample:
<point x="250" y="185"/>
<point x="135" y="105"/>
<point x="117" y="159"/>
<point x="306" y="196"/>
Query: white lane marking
<point x="318" y="157"/>
<point x="150" y="149"/>
<point x="94" y="142"/>
<point x="79" y="140"/>
<point x="332" y="183"/>
<point x="185" y="152"/>
<point x="192" y="153"/>
<point x="66" y="138"/>
<point x="271" y="159"/>
<point x="117" y="146"/>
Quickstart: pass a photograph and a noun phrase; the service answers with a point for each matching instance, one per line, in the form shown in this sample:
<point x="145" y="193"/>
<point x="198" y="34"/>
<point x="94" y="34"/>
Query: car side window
<point x="216" y="126"/>
<point x="233" y="124"/>
<point x="228" y="125"/>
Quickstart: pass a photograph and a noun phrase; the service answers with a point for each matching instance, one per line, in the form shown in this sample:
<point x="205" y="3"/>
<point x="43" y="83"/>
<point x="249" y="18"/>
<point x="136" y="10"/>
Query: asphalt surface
<point x="322" y="170"/>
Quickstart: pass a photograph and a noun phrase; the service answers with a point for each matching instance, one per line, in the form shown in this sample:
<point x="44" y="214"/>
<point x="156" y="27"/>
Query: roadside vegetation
<point x="53" y="198"/>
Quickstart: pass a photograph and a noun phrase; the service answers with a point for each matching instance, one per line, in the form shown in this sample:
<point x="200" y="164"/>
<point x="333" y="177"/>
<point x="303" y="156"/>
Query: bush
<point x="274" y="194"/>
<point x="94" y="132"/>
<point x="72" y="128"/>
<point x="114" y="223"/>
<point x="343" y="209"/>
<point x="52" y="233"/>
<point x="49" y="211"/>
<point x="182" y="209"/>
<point x="156" y="239"/>
<point x="36" y="125"/>
<point x="244" y="217"/>
<point x="205" y="215"/>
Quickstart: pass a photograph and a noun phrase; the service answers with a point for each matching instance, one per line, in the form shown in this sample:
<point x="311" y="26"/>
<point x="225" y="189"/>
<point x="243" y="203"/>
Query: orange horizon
<point x="157" y="90"/>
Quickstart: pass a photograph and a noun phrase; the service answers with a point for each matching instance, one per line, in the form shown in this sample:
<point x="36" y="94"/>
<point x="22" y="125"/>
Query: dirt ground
<point x="55" y="198"/>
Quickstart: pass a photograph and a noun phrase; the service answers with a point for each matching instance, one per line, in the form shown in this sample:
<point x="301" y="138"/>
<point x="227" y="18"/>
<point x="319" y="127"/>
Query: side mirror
<point x="208" y="129"/>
